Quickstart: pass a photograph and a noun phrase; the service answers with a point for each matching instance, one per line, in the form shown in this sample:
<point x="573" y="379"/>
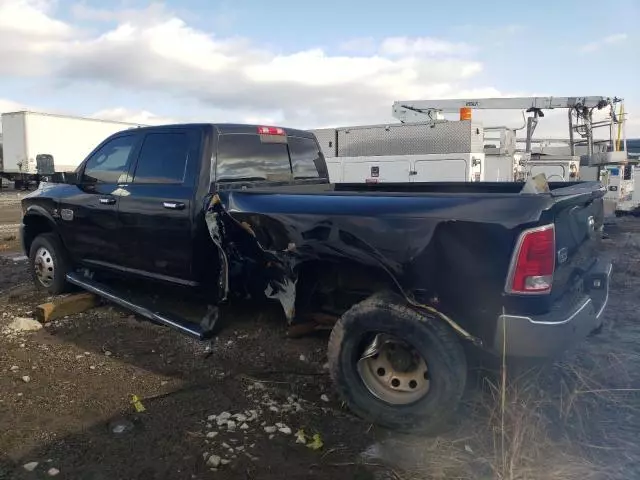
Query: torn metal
<point x="262" y="247"/>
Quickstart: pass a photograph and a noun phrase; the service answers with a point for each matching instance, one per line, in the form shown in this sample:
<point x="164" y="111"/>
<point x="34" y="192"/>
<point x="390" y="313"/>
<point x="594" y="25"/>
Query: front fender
<point x="36" y="220"/>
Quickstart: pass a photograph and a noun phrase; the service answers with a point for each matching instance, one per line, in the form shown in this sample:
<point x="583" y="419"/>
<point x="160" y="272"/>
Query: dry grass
<point x="578" y="419"/>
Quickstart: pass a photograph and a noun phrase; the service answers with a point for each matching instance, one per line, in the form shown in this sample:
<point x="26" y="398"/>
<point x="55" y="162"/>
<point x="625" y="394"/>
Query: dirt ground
<point x="10" y="216"/>
<point x="66" y="389"/>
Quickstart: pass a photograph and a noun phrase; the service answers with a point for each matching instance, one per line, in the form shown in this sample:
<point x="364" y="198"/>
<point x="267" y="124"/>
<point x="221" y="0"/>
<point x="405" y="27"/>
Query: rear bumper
<point x="565" y="325"/>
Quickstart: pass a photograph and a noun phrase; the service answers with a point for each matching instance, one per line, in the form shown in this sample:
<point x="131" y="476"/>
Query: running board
<point x="111" y="295"/>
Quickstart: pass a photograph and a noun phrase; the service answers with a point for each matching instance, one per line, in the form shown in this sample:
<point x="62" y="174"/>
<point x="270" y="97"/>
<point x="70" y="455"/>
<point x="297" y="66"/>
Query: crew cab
<point x="410" y="273"/>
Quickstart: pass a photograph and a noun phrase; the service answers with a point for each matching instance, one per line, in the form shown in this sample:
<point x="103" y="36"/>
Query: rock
<point x="52" y="472"/>
<point x="231" y="425"/>
<point x="274" y="409"/>
<point x="303" y="358"/>
<point x="224" y="461"/>
<point x="226" y="445"/>
<point x="224" y="416"/>
<point x="280" y="425"/>
<point x="285" y="430"/>
<point x="324" y="398"/>
<point x="21" y="324"/>
<point x="92" y="367"/>
<point x="325" y="366"/>
<point x="78" y="357"/>
<point x="120" y="426"/>
<point x="271" y="437"/>
<point x="107" y="353"/>
<point x="211" y="418"/>
<point x="244" y="426"/>
<point x="87" y="353"/>
<point x="214" y="461"/>
<point x="212" y="434"/>
<point x="26" y="379"/>
<point x="240" y="417"/>
<point x="270" y="429"/>
<point x="14" y="368"/>
<point x="30" y="467"/>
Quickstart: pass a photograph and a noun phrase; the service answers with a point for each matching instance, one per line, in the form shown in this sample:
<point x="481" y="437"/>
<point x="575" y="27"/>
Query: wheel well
<point x="336" y="287"/>
<point x="34" y="225"/>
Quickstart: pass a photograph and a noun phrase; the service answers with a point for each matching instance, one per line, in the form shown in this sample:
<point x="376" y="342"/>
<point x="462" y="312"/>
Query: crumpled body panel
<point x="422" y="243"/>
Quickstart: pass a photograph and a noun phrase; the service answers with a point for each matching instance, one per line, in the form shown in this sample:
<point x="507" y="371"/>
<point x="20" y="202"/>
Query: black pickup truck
<point x="410" y="273"/>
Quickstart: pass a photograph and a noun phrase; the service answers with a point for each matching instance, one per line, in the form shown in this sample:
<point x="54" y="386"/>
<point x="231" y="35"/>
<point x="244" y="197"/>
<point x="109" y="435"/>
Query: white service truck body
<point x="437" y="151"/>
<point x="404" y="152"/>
<point x="25" y="135"/>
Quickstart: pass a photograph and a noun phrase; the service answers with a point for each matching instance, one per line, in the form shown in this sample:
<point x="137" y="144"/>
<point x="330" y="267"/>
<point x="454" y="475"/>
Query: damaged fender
<point x="256" y="247"/>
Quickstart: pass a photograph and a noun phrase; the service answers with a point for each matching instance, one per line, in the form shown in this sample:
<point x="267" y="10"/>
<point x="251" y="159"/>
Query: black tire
<point x="58" y="258"/>
<point x="429" y="336"/>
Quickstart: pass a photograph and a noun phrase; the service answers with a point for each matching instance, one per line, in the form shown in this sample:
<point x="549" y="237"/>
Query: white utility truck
<point x="36" y="145"/>
<point x="426" y="147"/>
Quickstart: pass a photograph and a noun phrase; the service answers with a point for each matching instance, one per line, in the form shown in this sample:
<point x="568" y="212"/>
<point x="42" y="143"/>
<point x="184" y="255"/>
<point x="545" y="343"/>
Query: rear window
<point x="306" y="159"/>
<point x="247" y="157"/>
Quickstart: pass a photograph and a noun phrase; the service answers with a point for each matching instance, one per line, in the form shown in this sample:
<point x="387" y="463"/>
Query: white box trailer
<point x="36" y="144"/>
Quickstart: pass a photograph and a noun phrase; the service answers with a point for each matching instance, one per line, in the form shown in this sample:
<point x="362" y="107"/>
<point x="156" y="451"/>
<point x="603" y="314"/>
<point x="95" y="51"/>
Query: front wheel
<point x="48" y="263"/>
<point x="397" y="367"/>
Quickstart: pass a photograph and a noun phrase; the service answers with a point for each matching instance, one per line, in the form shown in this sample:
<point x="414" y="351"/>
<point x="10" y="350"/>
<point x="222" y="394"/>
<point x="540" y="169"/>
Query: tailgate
<point x="578" y="217"/>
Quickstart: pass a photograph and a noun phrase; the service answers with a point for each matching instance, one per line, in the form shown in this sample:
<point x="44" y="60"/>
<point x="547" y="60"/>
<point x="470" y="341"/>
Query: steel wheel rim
<point x="44" y="267"/>
<point x="393" y="371"/>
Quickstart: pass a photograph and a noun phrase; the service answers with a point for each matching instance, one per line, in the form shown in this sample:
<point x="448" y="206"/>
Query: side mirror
<point x="70" y="178"/>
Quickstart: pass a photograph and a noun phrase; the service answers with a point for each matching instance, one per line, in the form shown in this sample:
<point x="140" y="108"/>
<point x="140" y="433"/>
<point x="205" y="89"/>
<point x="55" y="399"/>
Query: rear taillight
<point x="533" y="262"/>
<point x="271" y="131"/>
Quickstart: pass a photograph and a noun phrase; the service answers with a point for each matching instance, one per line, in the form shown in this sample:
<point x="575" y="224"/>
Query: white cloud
<point x="360" y="46"/>
<point x="154" y="51"/>
<point x="27" y="32"/>
<point x="10" y="106"/>
<point x="406" y="46"/>
<point x="121" y="114"/>
<point x="604" y="42"/>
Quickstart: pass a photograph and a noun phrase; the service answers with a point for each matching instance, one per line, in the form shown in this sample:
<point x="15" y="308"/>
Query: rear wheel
<point x="49" y="264"/>
<point x="397" y="367"/>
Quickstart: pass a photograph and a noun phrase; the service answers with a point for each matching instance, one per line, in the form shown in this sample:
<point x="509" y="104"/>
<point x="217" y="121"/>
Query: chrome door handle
<point x="107" y="201"/>
<point x="173" y="205"/>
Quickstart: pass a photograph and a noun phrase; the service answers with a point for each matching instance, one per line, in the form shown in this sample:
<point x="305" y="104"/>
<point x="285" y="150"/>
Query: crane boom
<point x="580" y="107"/>
<point x="409" y="108"/>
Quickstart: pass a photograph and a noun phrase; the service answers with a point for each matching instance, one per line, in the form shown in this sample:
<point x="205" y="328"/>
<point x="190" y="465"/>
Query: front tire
<point x="397" y="367"/>
<point x="49" y="264"/>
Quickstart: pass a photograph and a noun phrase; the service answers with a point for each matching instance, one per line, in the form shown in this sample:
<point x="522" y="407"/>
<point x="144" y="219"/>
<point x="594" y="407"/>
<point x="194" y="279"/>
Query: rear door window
<point x="246" y="157"/>
<point x="163" y="158"/>
<point x="306" y="159"/>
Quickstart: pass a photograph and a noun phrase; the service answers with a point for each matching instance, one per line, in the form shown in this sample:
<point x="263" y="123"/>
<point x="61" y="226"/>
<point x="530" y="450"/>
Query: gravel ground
<point x="67" y="388"/>
<point x="10" y="217"/>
